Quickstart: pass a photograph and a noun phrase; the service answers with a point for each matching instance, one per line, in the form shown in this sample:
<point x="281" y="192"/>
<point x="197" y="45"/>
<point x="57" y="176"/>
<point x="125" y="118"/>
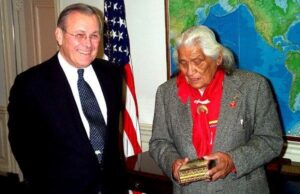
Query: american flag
<point x="116" y="48"/>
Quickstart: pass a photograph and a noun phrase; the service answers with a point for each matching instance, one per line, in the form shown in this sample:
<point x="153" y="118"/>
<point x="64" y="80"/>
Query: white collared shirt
<point x="91" y="78"/>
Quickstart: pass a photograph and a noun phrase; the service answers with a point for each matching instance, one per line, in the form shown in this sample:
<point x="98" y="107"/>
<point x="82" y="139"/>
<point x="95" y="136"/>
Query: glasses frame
<point x="80" y="36"/>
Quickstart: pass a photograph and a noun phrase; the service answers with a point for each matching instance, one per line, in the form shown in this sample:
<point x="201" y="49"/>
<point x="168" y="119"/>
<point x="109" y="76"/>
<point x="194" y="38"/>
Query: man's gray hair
<point x="206" y="40"/>
<point x="81" y="8"/>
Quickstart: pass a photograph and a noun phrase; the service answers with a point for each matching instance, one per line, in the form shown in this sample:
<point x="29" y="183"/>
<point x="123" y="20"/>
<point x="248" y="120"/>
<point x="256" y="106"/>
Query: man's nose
<point x="190" y="69"/>
<point x="87" y="41"/>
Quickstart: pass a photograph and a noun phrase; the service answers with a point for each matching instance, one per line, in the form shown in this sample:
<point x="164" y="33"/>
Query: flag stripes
<point x="117" y="49"/>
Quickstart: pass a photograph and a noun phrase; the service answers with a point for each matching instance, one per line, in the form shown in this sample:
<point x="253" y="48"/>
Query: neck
<point x="201" y="90"/>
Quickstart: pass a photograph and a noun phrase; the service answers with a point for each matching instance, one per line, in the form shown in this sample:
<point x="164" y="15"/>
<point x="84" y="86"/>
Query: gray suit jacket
<point x="250" y="133"/>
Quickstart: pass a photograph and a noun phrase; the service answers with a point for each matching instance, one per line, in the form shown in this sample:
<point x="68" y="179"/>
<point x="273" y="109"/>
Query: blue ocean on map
<point x="235" y="29"/>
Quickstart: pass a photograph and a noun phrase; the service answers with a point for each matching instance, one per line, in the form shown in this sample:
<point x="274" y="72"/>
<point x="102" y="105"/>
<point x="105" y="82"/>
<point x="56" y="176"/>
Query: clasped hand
<point x="224" y="165"/>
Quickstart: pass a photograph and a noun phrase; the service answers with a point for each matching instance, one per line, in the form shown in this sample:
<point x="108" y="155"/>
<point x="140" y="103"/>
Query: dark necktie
<point x="93" y="115"/>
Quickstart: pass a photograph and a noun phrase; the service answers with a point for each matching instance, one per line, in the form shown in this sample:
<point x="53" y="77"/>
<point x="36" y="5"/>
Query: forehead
<point x="190" y="51"/>
<point x="80" y="20"/>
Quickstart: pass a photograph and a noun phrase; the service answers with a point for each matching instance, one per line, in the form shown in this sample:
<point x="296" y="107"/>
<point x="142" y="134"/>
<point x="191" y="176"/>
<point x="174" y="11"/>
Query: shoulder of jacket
<point x="169" y="84"/>
<point x="247" y="77"/>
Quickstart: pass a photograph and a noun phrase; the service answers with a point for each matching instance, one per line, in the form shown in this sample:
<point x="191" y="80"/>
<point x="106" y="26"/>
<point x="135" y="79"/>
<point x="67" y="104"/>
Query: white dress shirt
<point x="91" y="78"/>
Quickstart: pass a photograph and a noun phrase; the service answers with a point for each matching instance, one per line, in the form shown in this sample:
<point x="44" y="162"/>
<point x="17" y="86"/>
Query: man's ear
<point x="59" y="36"/>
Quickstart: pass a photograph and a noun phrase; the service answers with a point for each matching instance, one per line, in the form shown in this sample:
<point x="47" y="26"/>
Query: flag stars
<point x="107" y="47"/>
<point x="120" y="49"/>
<point x="115" y="48"/>
<point x="106" y="34"/>
<point x="126" y="51"/>
<point x="121" y="22"/>
<point x="113" y="21"/>
<point x="116" y="34"/>
<point x="107" y="5"/>
<point x="113" y="34"/>
<point x="115" y="6"/>
<point x="120" y="36"/>
<point x="121" y="43"/>
<point x="116" y="41"/>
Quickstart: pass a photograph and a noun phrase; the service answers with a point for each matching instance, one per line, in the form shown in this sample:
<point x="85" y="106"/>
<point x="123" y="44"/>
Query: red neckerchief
<point x="204" y="109"/>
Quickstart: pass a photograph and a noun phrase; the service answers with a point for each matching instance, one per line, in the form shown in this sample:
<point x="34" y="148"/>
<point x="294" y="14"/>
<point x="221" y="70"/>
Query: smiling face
<point x="198" y="69"/>
<point x="79" y="52"/>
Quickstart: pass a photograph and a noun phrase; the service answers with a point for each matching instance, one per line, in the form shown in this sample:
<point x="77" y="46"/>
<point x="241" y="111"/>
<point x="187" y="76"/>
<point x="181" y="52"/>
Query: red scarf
<point x="204" y="109"/>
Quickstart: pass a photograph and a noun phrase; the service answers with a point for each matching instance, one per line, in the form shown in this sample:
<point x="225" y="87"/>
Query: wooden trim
<point x="292" y="150"/>
<point x="167" y="39"/>
<point x="292" y="138"/>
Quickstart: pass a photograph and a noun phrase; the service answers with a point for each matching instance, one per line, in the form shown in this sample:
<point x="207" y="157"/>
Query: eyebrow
<point x="198" y="56"/>
<point x="98" y="32"/>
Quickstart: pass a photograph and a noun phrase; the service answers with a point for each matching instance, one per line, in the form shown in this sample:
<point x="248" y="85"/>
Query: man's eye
<point x="182" y="62"/>
<point x="197" y="61"/>
<point x="80" y="36"/>
<point x="94" y="37"/>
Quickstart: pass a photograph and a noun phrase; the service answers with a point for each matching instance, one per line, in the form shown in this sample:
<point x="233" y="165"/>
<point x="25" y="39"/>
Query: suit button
<point x="137" y="185"/>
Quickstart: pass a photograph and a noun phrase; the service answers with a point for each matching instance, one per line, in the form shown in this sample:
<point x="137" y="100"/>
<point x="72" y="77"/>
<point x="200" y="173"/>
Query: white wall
<point x="3" y="96"/>
<point x="96" y="3"/>
<point x="146" y="28"/>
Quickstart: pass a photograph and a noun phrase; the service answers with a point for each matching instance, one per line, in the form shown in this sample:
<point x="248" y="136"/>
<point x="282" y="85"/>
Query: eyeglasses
<point x="82" y="36"/>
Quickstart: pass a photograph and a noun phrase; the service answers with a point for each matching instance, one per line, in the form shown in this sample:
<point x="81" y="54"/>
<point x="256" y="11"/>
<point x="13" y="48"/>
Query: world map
<point x="264" y="36"/>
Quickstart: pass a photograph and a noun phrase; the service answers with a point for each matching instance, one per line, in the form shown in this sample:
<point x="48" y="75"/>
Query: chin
<point x="86" y="62"/>
<point x="198" y="86"/>
<point x="195" y="86"/>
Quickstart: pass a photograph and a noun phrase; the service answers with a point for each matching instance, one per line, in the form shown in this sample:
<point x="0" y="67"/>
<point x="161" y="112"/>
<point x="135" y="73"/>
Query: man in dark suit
<point x="49" y="131"/>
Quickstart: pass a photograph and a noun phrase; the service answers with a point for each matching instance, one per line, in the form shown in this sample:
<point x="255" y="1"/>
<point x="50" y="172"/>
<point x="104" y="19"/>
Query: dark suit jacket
<point x="48" y="138"/>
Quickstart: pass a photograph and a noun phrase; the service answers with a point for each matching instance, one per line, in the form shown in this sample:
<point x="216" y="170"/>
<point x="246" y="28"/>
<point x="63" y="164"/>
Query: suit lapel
<point x="65" y="104"/>
<point x="230" y="108"/>
<point x="185" y="125"/>
<point x="105" y="80"/>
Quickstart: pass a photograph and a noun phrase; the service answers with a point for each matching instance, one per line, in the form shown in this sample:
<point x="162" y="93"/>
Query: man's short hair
<point x="81" y="8"/>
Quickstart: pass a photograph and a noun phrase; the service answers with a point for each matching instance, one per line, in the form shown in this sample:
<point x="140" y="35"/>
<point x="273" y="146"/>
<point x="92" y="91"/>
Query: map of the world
<point x="264" y="36"/>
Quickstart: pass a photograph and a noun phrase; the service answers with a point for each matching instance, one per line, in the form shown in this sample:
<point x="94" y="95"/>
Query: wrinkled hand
<point x="224" y="165"/>
<point x="176" y="166"/>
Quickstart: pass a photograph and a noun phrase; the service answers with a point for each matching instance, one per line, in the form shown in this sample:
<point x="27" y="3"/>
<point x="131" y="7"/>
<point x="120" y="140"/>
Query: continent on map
<point x="293" y="65"/>
<point x="264" y="37"/>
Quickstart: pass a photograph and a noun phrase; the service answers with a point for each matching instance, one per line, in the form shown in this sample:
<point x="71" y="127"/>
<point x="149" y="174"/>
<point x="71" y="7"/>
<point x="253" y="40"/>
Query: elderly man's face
<point x="198" y="69"/>
<point x="79" y="41"/>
